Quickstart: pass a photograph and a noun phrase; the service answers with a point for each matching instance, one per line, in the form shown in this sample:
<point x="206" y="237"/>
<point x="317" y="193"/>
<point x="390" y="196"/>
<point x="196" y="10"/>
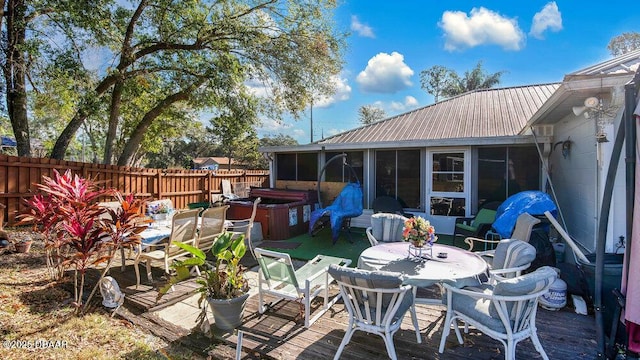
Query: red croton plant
<point x="78" y="232"/>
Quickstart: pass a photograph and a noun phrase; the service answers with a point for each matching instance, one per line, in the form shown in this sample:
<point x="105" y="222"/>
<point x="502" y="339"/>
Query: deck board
<point x="280" y="334"/>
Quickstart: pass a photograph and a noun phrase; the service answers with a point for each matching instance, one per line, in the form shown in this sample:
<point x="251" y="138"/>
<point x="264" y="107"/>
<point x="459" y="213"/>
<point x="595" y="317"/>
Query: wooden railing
<point x="19" y="174"/>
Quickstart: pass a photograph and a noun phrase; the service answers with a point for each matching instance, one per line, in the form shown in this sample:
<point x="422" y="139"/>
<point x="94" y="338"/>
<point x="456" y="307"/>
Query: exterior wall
<point x="574" y="178"/>
<point x="618" y="210"/>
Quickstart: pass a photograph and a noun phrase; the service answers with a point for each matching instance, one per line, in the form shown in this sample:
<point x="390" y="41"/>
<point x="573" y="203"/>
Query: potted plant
<point x="23" y="246"/>
<point x="222" y="282"/>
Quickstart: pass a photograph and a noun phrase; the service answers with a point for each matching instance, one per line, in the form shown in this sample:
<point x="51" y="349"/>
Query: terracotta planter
<point x="228" y="313"/>
<point x="23" y="246"/>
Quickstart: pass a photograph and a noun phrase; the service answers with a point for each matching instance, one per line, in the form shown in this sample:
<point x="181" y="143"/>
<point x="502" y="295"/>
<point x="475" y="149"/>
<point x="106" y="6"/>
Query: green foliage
<point x="278" y="140"/>
<point x="167" y="68"/>
<point x="222" y="279"/>
<point x="435" y="79"/>
<point x="439" y="80"/>
<point x="368" y="114"/>
<point x="622" y="44"/>
<point x="78" y="232"/>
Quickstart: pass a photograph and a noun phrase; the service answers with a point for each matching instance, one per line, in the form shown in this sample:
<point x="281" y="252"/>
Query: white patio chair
<point x="511" y="257"/>
<point x="226" y="190"/>
<point x="376" y="302"/>
<point x="183" y="229"/>
<point x="522" y="231"/>
<point x="505" y="312"/>
<point x="212" y="225"/>
<point x="278" y="278"/>
<point x="244" y="226"/>
<point x="385" y="227"/>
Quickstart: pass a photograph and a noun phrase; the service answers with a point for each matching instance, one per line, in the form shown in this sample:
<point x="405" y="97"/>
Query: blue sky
<point x="391" y="42"/>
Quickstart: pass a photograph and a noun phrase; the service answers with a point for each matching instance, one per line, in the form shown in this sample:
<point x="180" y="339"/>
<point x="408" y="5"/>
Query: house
<point x="480" y="147"/>
<point x="215" y="163"/>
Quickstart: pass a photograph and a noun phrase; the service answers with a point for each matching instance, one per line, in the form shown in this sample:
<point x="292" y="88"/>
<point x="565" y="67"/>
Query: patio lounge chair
<point x="227" y="193"/>
<point x="512" y="256"/>
<point x="389" y="204"/>
<point x="385" y="228"/>
<point x="475" y="226"/>
<point x="183" y="229"/>
<point x="522" y="231"/>
<point x="212" y="225"/>
<point x="278" y="278"/>
<point x="505" y="312"/>
<point x="244" y="226"/>
<point x="377" y="302"/>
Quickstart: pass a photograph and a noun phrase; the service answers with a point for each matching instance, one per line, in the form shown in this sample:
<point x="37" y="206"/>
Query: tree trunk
<point x="15" y="75"/>
<point x="138" y="133"/>
<point x="114" y="114"/>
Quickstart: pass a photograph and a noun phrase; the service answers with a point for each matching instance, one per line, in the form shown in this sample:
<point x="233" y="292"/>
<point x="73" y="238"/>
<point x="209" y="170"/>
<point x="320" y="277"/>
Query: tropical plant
<point x="439" y="80"/>
<point x="77" y="231"/>
<point x="224" y="278"/>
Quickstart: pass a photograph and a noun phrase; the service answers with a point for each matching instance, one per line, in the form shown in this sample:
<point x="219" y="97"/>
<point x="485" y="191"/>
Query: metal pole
<point x="311" y="122"/>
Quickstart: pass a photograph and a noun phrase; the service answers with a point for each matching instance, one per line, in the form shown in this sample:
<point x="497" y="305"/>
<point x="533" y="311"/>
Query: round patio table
<point x="459" y="268"/>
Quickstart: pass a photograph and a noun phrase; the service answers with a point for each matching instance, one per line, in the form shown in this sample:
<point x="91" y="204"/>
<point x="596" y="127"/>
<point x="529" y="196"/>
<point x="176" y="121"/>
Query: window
<point x="448" y="196"/>
<point x="398" y="176"/>
<point x="286" y="166"/>
<point x="505" y="171"/>
<point x="336" y="171"/>
<point x="301" y="167"/>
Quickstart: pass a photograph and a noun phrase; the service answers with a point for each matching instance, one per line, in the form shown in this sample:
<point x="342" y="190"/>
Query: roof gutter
<point x="483" y="141"/>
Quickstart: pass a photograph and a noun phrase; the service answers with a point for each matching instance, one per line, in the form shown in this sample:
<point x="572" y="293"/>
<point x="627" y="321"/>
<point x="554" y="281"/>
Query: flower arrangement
<point x="419" y="231"/>
<point x="159" y="208"/>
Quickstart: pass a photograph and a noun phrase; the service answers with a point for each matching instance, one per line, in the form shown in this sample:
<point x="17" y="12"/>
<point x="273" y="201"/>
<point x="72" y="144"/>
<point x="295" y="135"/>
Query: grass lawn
<point x="38" y="320"/>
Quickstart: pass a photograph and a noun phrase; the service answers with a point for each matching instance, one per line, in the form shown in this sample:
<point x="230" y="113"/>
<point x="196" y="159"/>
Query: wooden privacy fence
<point x="19" y="174"/>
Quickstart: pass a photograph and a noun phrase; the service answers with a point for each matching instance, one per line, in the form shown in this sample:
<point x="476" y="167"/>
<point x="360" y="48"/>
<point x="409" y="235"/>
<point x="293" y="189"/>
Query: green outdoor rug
<point x="310" y="246"/>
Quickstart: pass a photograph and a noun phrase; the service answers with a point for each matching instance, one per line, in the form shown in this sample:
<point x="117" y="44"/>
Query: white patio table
<point x="460" y="267"/>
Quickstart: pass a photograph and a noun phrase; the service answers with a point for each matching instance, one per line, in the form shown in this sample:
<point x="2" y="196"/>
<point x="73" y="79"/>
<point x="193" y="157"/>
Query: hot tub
<point x="282" y="213"/>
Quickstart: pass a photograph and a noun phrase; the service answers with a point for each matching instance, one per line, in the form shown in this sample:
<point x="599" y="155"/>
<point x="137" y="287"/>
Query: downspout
<point x="602" y="234"/>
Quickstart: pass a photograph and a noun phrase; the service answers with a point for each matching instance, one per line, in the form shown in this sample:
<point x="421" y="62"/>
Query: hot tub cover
<point x="348" y="204"/>
<point x="532" y="202"/>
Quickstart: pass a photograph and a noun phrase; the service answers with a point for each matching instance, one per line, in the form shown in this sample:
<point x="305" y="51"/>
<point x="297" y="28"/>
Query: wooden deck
<point x="280" y="334"/>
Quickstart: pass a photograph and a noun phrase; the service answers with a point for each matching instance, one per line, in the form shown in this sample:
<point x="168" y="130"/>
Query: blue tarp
<point x="348" y="204"/>
<point x="532" y="202"/>
<point x="7" y="141"/>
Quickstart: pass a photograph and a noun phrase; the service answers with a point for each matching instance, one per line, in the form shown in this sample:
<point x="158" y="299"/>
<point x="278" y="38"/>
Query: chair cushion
<point x="484" y="216"/>
<point x="512" y="253"/>
<point x="387" y="227"/>
<point x="530" y="283"/>
<point x="478" y="309"/>
<point x="374" y="280"/>
<point x="526" y="284"/>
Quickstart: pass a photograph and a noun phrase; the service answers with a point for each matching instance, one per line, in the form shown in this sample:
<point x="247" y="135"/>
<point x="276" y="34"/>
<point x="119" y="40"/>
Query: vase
<point x="228" y="313"/>
<point x="420" y="251"/>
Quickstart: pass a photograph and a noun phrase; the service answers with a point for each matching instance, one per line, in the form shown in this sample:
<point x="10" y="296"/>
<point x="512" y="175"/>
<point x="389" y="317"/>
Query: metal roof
<point x="476" y="114"/>
<point x="624" y="65"/>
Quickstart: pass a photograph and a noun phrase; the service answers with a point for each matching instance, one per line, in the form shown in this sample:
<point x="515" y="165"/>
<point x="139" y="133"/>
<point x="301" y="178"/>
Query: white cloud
<point x="482" y="27"/>
<point x="360" y="28"/>
<point x="395" y="107"/>
<point x="343" y="92"/>
<point x="298" y="133"/>
<point x="385" y="74"/>
<point x="271" y="125"/>
<point x="549" y="18"/>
